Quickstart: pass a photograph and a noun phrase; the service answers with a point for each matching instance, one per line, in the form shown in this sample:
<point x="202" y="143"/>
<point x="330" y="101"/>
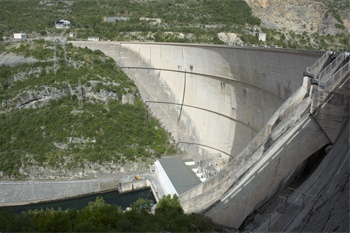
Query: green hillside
<point x="70" y="113"/>
<point x="87" y="18"/>
<point x="184" y="21"/>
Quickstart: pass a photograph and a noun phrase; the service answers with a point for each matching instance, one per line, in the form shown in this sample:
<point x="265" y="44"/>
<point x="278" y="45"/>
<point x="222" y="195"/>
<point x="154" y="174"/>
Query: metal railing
<point x="294" y="193"/>
<point x="324" y="85"/>
<point x="279" y="210"/>
<point x="266" y="225"/>
<point x="316" y="66"/>
<point x="330" y="67"/>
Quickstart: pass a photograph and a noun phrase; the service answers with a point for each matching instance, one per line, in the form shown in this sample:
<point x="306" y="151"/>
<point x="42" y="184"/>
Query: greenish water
<point x="112" y="197"/>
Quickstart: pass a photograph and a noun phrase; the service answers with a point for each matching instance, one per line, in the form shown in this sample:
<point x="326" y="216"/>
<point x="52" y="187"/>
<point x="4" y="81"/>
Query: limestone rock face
<point x="297" y="15"/>
<point x="229" y="38"/>
<point x="11" y="59"/>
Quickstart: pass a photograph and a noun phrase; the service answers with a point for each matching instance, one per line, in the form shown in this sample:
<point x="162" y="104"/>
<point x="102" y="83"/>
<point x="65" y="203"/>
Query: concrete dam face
<point x="217" y="102"/>
<point x="213" y="98"/>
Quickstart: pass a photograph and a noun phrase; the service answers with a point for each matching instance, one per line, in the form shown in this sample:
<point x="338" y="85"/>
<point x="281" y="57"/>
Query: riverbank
<point x="77" y="203"/>
<point x="30" y="192"/>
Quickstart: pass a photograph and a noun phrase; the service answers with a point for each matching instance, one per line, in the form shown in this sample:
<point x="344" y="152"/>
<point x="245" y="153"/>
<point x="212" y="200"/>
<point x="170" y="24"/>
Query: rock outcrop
<point x="299" y="16"/>
<point x="230" y="38"/>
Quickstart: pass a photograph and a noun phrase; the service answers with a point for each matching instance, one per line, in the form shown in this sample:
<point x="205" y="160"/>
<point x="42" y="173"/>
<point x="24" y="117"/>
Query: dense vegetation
<point x="90" y="13"/>
<point x="101" y="217"/>
<point x="339" y="42"/>
<point x="337" y="6"/>
<point x="190" y="21"/>
<point x="87" y="17"/>
<point x="76" y="126"/>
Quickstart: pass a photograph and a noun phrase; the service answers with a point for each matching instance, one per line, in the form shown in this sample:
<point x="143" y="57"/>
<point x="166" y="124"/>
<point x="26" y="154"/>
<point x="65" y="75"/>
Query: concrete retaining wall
<point x="19" y="193"/>
<point x="132" y="186"/>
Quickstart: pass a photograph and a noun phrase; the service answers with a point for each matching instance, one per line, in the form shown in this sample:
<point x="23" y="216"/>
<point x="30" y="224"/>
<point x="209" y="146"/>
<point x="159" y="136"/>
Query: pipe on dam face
<point x="247" y="85"/>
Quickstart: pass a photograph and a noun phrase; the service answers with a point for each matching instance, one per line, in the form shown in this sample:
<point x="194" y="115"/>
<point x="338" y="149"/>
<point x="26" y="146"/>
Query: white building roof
<point x="181" y="176"/>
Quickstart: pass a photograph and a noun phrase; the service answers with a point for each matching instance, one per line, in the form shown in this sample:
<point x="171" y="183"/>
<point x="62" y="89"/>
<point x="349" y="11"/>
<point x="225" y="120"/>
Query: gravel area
<point x="35" y="191"/>
<point x="11" y="59"/>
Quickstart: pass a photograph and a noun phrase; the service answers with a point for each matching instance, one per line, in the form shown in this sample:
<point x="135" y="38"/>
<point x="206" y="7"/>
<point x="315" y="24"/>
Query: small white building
<point x="62" y="24"/>
<point x="174" y="176"/>
<point x="262" y="36"/>
<point x="114" y="19"/>
<point x="153" y="20"/>
<point x="20" y="36"/>
<point x="93" y="38"/>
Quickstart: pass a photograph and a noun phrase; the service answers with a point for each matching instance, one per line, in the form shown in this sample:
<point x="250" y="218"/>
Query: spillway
<point x="242" y="110"/>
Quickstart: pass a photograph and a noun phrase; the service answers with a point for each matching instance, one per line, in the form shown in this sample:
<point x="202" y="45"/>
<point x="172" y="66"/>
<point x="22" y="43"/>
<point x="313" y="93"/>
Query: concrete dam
<point x="252" y="114"/>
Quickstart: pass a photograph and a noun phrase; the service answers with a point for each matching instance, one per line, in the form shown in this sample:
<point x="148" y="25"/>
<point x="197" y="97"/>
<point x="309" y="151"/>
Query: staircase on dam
<point x="330" y="96"/>
<point x="246" y="102"/>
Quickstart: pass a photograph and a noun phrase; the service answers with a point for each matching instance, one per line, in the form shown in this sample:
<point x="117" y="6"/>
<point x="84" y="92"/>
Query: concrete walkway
<point x="28" y="192"/>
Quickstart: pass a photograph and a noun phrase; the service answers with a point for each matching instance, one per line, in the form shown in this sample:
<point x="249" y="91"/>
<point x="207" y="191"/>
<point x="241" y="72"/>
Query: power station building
<point x="175" y="176"/>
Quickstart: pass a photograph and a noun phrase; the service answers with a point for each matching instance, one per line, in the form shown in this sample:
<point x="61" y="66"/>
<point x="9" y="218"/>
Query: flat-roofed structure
<point x="62" y="24"/>
<point x="175" y="176"/>
<point x="20" y="36"/>
<point x="114" y="19"/>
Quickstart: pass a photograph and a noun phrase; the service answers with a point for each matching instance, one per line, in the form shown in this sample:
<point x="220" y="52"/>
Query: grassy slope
<point x="186" y="20"/>
<point x="86" y="17"/>
<point x="122" y="132"/>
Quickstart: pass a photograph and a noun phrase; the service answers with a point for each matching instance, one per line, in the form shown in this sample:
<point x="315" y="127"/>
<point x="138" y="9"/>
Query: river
<point x="111" y="197"/>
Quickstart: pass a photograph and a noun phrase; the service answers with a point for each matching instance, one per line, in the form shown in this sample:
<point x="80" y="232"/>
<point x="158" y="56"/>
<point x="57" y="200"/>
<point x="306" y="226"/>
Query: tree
<point x="169" y="206"/>
<point x="142" y="206"/>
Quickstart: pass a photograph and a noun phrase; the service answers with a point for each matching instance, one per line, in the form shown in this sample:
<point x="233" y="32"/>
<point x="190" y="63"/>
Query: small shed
<point x="93" y="38"/>
<point x="20" y="36"/>
<point x="114" y="19"/>
<point x="62" y="24"/>
<point x="262" y="36"/>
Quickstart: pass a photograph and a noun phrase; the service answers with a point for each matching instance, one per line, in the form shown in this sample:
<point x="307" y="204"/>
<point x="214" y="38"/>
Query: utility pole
<point x="54" y="60"/>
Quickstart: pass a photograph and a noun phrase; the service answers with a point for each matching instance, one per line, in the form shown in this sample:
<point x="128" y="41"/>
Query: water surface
<point x="112" y="197"/>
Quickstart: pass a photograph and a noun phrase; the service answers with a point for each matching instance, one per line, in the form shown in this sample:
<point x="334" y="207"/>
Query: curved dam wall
<point x="226" y="104"/>
<point x="213" y="99"/>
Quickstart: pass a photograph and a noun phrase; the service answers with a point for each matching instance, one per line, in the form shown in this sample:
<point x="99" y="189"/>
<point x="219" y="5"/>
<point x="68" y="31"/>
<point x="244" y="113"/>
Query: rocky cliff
<point x="303" y="15"/>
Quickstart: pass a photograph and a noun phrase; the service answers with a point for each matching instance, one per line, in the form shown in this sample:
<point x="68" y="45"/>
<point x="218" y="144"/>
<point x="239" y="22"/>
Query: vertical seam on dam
<point x="183" y="99"/>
